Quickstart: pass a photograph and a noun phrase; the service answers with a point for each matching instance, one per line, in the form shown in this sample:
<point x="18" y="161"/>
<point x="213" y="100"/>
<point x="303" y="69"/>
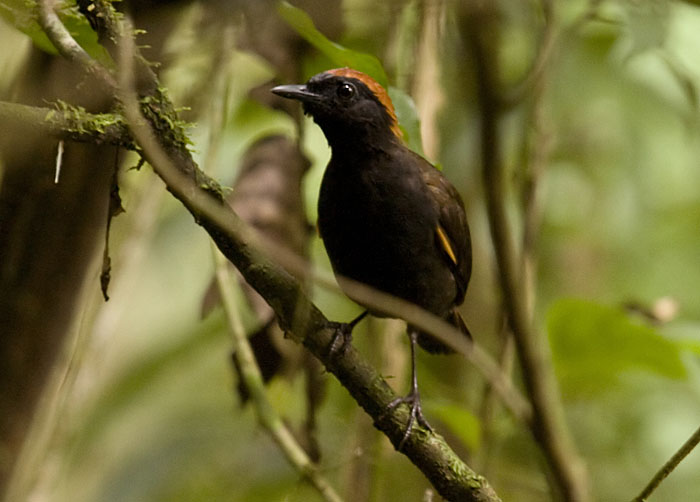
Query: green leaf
<point x="593" y="345"/>
<point x="22" y="15"/>
<point x="78" y="26"/>
<point x="367" y="63"/>
<point x="339" y="55"/>
<point x="461" y="422"/>
<point x="408" y="118"/>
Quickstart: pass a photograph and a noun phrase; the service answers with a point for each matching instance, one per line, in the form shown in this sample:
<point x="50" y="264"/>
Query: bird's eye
<point x="346" y="91"/>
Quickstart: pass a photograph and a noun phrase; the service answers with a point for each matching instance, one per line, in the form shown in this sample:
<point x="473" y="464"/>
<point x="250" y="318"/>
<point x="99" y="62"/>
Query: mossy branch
<point x="67" y="122"/>
<point x="156" y="130"/>
<point x="302" y="320"/>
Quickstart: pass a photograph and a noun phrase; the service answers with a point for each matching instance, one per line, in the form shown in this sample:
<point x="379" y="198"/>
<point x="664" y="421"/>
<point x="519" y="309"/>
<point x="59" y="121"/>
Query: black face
<point x="343" y="107"/>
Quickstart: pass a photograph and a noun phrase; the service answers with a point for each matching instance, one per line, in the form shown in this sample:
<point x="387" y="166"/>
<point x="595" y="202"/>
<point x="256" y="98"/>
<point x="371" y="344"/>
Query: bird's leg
<point x="413" y="397"/>
<point x="343" y="335"/>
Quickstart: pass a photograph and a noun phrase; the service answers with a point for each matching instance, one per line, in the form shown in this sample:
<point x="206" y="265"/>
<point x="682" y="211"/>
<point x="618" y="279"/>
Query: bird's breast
<point x="378" y="227"/>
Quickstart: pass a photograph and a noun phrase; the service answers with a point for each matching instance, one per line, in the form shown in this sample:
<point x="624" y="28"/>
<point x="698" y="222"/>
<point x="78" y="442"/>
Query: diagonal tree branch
<point x="428" y="451"/>
<point x="78" y="125"/>
<point x="154" y="125"/>
<point x="75" y="124"/>
<point x="669" y="466"/>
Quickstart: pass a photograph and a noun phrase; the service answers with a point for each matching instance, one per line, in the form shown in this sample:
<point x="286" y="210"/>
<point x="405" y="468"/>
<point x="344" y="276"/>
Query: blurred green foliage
<point x="339" y="55"/>
<point x="21" y="14"/>
<point x="593" y="345"/>
<point x="151" y="412"/>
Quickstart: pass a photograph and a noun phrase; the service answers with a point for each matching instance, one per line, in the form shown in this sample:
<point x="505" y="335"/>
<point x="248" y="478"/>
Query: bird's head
<point x="350" y="106"/>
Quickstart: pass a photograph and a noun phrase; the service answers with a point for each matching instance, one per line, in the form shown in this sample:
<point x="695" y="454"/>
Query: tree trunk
<point x="49" y="234"/>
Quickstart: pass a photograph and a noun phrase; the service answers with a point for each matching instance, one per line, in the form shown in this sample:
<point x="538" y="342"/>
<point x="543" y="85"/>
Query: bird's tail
<point x="435" y="346"/>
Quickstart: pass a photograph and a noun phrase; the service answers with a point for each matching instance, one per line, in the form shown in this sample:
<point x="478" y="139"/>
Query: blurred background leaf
<point x="407" y="115"/>
<point x="22" y="15"/>
<point x="339" y="55"/>
<point x="594" y="345"/>
<point x="460" y="421"/>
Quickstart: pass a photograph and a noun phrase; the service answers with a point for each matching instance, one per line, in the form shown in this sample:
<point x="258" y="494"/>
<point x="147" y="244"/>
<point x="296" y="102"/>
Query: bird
<point x="388" y="218"/>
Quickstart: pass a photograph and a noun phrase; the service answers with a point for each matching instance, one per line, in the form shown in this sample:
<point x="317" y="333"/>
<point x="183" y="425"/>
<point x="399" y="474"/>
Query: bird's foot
<point x="413" y="400"/>
<point x="342" y="337"/>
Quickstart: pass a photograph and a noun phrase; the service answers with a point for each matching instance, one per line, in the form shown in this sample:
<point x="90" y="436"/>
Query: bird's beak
<point x="298" y="92"/>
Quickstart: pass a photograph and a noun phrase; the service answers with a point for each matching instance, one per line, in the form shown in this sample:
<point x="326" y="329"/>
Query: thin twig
<point x="669" y="466"/>
<point x="549" y="426"/>
<point x="246" y="362"/>
<point x="66" y="45"/>
<point x="489" y="404"/>
<point x="536" y="147"/>
<point x="539" y="64"/>
<point x="535" y="150"/>
<point x="252" y="378"/>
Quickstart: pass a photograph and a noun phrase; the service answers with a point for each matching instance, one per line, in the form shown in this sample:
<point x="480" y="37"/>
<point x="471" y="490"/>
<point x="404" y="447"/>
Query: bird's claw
<point x="416" y="414"/>
<point x="342" y="337"/>
<point x="343" y="330"/>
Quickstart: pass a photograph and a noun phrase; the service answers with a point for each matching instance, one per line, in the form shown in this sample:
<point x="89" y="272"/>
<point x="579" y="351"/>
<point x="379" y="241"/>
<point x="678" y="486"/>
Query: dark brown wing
<point x="452" y="233"/>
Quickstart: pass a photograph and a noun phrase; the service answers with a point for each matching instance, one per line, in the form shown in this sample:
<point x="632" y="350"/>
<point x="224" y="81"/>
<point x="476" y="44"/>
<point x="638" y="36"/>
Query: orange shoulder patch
<point x="446" y="246"/>
<point x="376" y="89"/>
